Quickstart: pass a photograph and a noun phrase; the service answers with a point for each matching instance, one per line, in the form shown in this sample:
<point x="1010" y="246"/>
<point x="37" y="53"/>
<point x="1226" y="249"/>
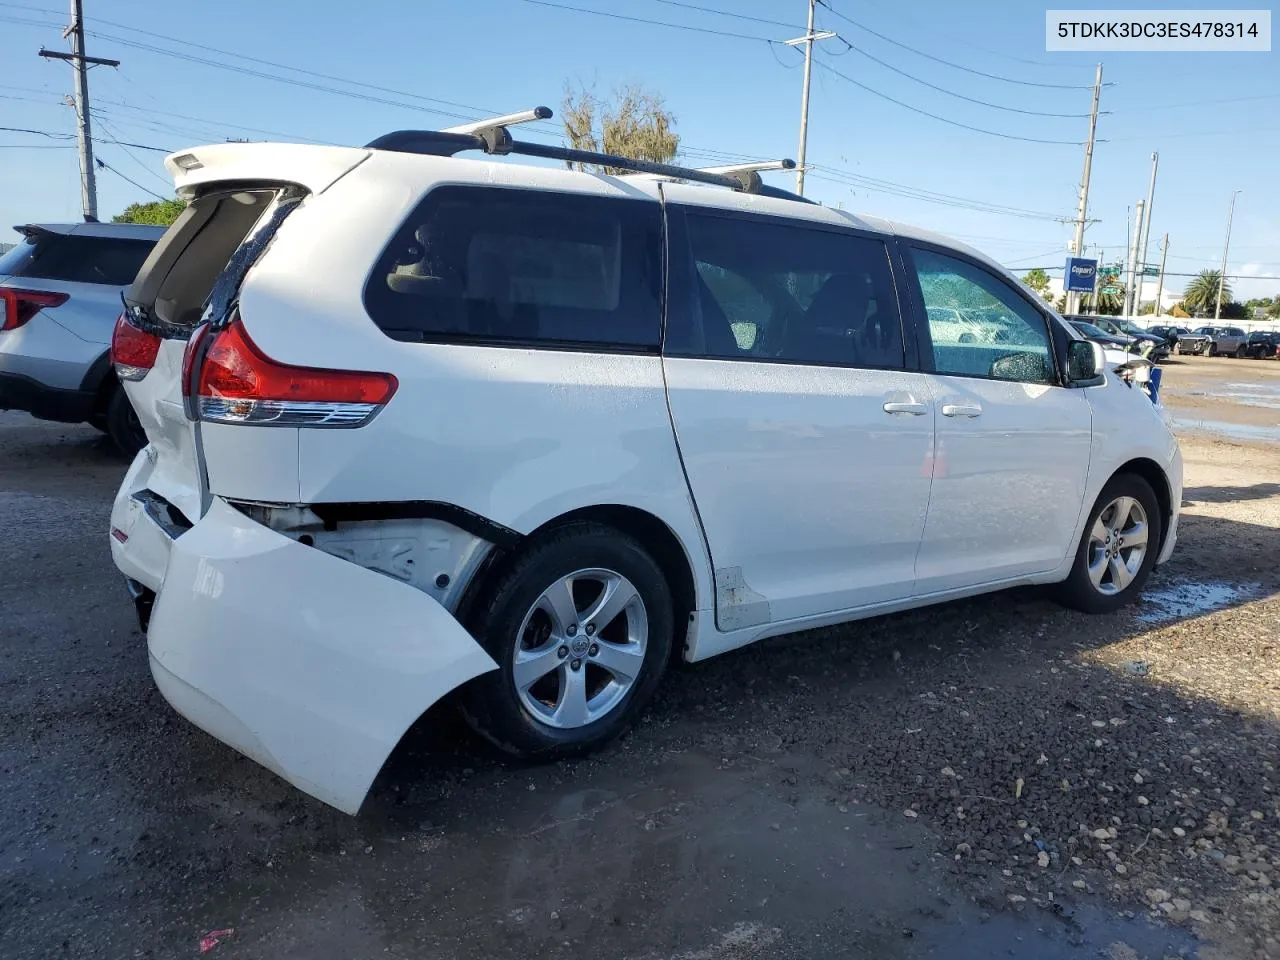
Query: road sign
<point x="1110" y="270"/>
<point x="1151" y="271"/>
<point x="1080" y="274"/>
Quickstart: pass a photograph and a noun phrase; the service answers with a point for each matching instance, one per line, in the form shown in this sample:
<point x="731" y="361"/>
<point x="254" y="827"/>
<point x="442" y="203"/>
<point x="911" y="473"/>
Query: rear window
<point x="106" y="260"/>
<point x="519" y="266"/>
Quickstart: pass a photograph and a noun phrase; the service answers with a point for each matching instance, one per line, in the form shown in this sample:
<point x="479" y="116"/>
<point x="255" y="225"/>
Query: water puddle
<point x="1237" y="431"/>
<point x="1181" y="601"/>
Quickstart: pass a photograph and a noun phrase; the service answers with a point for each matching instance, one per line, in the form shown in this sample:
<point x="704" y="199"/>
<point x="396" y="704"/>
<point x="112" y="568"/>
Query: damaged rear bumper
<point x="310" y="665"/>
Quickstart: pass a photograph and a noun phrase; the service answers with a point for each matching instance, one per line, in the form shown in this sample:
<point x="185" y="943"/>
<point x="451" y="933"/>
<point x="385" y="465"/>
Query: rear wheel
<point x="1241" y="352"/>
<point x="1118" y="549"/>
<point x="581" y="627"/>
<point x="123" y="426"/>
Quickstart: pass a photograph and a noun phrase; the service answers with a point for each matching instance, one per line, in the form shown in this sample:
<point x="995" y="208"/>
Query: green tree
<point x="1105" y="302"/>
<point x="1038" y="281"/>
<point x="635" y="124"/>
<point x="158" y="212"/>
<point x="1201" y="294"/>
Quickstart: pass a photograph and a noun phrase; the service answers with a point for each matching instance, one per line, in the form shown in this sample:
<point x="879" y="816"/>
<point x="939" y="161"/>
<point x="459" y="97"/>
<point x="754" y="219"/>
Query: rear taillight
<point x="21" y="305"/>
<point x="133" y="350"/>
<point x="238" y="383"/>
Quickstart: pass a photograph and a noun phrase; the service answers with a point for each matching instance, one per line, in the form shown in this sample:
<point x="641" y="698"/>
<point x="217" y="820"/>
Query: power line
<point x="951" y="63"/>
<point x="132" y="156"/>
<point x="876" y="185"/>
<point x="960" y="96"/>
<point x="654" y="23"/>
<point x="106" y="166"/>
<point x="946" y="120"/>
<point x="729" y="13"/>
<point x="951" y="38"/>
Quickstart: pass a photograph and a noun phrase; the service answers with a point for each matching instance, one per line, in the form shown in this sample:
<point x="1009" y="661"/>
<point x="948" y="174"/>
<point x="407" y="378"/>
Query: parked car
<point x="526" y="434"/>
<point x="1224" y="341"/>
<point x="1151" y="345"/>
<point x="1095" y="333"/>
<point x="60" y="291"/>
<point x="1263" y="345"/>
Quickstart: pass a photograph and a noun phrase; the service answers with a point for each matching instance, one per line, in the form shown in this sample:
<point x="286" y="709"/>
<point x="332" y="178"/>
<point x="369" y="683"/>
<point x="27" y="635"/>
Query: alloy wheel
<point x="1117" y="545"/>
<point x="580" y="648"/>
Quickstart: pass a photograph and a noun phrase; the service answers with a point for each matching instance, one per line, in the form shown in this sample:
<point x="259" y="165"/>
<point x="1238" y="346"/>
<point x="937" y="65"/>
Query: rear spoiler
<point x="313" y="167"/>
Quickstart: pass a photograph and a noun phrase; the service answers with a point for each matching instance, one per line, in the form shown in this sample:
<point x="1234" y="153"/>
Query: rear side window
<point x="521" y="266"/>
<point x="768" y="290"/>
<point x="82" y="259"/>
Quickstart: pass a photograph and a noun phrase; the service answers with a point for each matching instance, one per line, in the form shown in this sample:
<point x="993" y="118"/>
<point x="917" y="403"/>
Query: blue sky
<point x="1214" y="118"/>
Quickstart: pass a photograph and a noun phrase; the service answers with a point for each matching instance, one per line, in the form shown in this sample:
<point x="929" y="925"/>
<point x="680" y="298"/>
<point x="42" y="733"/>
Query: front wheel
<point x="581" y="626"/>
<point x="1118" y="549"/>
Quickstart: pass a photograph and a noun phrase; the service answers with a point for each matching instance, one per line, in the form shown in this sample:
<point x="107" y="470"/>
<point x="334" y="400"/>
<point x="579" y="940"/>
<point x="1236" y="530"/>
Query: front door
<point x="1013" y="443"/>
<point x="805" y="439"/>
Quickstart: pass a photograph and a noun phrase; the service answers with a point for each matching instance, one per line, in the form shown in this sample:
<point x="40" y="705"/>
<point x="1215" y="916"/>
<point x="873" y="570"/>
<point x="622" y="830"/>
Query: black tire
<point x="491" y="703"/>
<point x="123" y="426"/>
<point x="1241" y="352"/>
<point x="1213" y="350"/>
<point x="1078" y="590"/>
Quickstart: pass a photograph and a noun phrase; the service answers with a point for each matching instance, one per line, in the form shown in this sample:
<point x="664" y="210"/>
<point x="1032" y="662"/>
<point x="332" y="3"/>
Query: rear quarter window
<point x="490" y="264"/>
<point x="77" y="259"/>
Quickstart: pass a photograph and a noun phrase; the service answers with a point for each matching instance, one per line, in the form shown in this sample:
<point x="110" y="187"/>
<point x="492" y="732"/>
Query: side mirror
<point x="1085" y="363"/>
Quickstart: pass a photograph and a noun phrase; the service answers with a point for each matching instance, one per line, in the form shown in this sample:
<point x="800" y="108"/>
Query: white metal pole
<point x="1133" y="259"/>
<point x="1164" y="254"/>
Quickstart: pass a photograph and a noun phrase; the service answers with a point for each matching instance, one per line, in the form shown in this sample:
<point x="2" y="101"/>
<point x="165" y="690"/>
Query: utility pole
<point x="807" y="40"/>
<point x="1146" y="231"/>
<point x="1134" y="270"/>
<point x="1226" y="245"/>
<point x="80" y="61"/>
<point x="1077" y="249"/>
<point x="1164" y="254"/>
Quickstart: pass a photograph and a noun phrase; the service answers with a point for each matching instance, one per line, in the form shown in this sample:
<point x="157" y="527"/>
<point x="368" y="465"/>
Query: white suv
<point x="423" y="424"/>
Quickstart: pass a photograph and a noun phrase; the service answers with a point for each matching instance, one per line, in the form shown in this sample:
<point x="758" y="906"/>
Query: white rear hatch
<point x="239" y="194"/>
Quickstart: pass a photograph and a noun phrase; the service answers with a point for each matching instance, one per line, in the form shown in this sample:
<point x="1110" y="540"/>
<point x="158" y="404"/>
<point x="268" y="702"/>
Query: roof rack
<point x="492" y="137"/>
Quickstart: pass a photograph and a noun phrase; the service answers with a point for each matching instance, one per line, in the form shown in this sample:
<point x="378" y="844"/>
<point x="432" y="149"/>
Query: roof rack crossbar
<point x="491" y="137"/>
<point x="509" y="120"/>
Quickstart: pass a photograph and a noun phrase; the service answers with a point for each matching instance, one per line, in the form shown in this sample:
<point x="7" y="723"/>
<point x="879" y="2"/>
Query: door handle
<point x="913" y="407"/>
<point x="967" y="410"/>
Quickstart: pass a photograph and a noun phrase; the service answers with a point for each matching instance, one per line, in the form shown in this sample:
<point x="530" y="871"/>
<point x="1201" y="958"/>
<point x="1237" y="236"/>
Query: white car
<point x="526" y="434"/>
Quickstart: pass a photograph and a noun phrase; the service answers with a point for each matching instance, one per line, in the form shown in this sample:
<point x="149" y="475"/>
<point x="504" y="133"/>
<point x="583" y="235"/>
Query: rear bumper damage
<point x="311" y="665"/>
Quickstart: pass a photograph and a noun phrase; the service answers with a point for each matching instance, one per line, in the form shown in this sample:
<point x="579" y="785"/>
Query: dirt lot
<point x="990" y="778"/>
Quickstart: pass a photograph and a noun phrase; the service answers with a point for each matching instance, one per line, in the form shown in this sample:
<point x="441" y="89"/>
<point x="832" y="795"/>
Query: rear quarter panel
<point x="520" y="436"/>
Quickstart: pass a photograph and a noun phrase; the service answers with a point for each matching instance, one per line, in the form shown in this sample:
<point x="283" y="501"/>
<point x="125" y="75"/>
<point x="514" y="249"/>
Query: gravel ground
<point x="995" y="777"/>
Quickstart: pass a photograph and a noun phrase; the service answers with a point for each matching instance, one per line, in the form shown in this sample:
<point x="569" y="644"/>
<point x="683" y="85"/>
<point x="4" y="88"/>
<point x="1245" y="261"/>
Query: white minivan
<point x="422" y="424"/>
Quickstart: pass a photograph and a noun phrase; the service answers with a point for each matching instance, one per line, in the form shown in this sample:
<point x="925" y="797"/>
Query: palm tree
<point x="1106" y="302"/>
<point x="1202" y="293"/>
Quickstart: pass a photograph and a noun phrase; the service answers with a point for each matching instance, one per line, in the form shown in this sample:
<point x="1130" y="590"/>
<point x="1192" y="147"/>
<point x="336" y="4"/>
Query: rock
<point x="1078" y="884"/>
<point x="1182" y="905"/>
<point x="1179" y="832"/>
<point x="1121" y="869"/>
<point x="1143" y="801"/>
<point x="910" y="813"/>
<point x="1199" y="916"/>
<point x="1157" y="895"/>
<point x="1042" y="858"/>
<point x="963" y="849"/>
<point x="1017" y="898"/>
<point x="947" y="772"/>
<point x="1102" y="833"/>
